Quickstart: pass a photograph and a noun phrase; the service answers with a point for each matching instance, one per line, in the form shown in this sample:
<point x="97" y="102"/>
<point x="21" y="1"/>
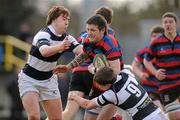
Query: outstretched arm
<point x="84" y="103"/>
<point x="77" y="60"/>
<point x="74" y="63"/>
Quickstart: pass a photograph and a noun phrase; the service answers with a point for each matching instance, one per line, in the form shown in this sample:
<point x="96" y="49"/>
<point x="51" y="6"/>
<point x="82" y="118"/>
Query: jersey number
<point x="132" y="88"/>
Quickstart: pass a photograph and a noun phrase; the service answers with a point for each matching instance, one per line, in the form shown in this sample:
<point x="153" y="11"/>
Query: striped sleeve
<point x="41" y="38"/>
<point x="107" y="97"/>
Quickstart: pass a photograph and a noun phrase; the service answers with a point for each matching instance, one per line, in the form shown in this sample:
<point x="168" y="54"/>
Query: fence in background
<point x="7" y="54"/>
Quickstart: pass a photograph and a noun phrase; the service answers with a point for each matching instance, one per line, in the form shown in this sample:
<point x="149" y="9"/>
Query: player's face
<point x="169" y="25"/>
<point x="102" y="87"/>
<point x="94" y="34"/>
<point x="155" y="35"/>
<point x="62" y="23"/>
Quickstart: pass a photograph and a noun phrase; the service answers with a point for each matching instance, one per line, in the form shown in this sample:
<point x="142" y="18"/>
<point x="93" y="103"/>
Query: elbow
<point x="134" y="67"/>
<point x="44" y="51"/>
<point x="44" y="54"/>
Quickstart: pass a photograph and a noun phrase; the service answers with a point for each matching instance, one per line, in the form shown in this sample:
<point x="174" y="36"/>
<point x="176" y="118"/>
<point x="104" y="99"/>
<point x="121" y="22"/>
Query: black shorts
<point x="170" y="95"/>
<point x="155" y="96"/>
<point x="81" y="81"/>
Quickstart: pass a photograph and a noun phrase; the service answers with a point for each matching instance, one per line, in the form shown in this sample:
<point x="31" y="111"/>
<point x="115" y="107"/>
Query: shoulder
<point x="41" y="35"/>
<point x="158" y="40"/>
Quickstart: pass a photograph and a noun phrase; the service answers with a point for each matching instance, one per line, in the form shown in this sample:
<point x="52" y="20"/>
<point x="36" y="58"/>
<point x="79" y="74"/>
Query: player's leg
<point x="53" y="109"/>
<point x="107" y="112"/>
<point x="71" y="107"/>
<point x="29" y="96"/>
<point x="50" y="99"/>
<point x="174" y="110"/>
<point x="80" y="84"/>
<point x="91" y="114"/>
<point x="31" y="105"/>
<point x="170" y="99"/>
<point x="156" y="100"/>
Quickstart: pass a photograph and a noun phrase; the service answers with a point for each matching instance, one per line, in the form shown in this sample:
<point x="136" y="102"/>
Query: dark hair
<point x="98" y="21"/>
<point x="157" y="29"/>
<point x="106" y="12"/>
<point x="105" y="76"/>
<point x="170" y="14"/>
<point x="55" y="12"/>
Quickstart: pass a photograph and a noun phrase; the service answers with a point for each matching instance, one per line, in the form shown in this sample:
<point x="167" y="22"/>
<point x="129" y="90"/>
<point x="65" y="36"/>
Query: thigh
<point x="107" y="112"/>
<point x="101" y="113"/>
<point x="53" y="108"/>
<point x="31" y="103"/>
<point x="72" y="105"/>
<point x="88" y="116"/>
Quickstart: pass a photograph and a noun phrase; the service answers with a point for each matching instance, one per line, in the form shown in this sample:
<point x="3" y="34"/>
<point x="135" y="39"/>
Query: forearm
<point x="82" y="102"/>
<point x="150" y="67"/>
<point x="47" y="51"/>
<point x="78" y="60"/>
<point x="137" y="68"/>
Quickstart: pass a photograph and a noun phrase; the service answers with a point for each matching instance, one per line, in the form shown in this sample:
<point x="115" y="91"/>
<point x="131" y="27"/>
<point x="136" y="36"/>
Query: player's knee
<point x="174" y="115"/>
<point x="33" y="117"/>
<point x="67" y="115"/>
<point x="56" y="118"/>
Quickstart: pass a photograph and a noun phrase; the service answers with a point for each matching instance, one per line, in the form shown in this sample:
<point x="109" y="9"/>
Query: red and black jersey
<point x="151" y="83"/>
<point x="167" y="54"/>
<point x="107" y="46"/>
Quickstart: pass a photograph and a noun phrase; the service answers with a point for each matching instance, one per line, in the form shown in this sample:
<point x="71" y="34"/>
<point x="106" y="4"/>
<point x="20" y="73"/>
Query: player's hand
<point x="160" y="74"/>
<point x="144" y="76"/>
<point x="65" y="43"/>
<point x="60" y="69"/>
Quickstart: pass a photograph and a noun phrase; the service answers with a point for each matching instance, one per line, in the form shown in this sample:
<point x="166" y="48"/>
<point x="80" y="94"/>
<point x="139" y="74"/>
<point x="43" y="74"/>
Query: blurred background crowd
<point x="21" y="19"/>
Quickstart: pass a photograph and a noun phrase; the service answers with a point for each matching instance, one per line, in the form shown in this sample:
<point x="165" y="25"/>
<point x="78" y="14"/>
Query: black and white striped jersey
<point x="39" y="67"/>
<point x="129" y="95"/>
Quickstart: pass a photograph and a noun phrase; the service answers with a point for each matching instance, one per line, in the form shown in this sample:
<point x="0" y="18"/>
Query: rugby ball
<point x="100" y="61"/>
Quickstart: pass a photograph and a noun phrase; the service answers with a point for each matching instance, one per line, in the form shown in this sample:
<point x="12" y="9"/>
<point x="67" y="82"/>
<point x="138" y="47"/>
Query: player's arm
<point x="160" y="73"/>
<point x="137" y="70"/>
<point x="115" y="65"/>
<point x="48" y="50"/>
<point x="78" y="50"/>
<point x="74" y="63"/>
<point x="84" y="103"/>
<point x="78" y="60"/>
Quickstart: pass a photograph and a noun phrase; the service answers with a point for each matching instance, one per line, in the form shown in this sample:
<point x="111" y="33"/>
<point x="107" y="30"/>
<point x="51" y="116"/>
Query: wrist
<point x="69" y="67"/>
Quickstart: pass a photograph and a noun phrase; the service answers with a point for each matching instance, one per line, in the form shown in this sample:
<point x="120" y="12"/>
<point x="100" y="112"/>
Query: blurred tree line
<point x="124" y="21"/>
<point x="127" y="21"/>
<point x="12" y="14"/>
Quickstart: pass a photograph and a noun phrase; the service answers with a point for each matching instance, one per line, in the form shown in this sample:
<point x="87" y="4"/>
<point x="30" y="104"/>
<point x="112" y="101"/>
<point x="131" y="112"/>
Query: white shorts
<point x="47" y="89"/>
<point x="156" y="115"/>
<point x="173" y="106"/>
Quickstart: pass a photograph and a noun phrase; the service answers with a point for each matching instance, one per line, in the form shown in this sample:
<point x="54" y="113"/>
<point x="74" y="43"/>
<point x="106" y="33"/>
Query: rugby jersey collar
<point x="173" y="39"/>
<point x="53" y="31"/>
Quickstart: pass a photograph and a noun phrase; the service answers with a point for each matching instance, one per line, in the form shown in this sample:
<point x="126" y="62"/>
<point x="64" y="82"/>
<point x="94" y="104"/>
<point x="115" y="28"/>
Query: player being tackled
<point x="123" y="91"/>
